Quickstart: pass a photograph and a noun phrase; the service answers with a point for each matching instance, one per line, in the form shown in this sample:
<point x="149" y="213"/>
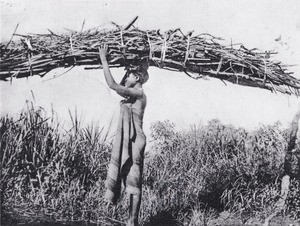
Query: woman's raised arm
<point x="121" y="90"/>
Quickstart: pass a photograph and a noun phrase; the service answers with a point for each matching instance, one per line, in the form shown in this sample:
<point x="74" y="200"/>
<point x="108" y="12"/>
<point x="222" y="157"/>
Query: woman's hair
<point x="143" y="75"/>
<point x="140" y="71"/>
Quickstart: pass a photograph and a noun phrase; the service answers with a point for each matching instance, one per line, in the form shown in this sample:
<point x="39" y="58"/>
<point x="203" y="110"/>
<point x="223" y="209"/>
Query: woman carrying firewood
<point x="127" y="157"/>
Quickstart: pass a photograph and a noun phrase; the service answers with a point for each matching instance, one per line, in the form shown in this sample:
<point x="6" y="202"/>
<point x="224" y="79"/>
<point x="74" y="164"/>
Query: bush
<point x="210" y="174"/>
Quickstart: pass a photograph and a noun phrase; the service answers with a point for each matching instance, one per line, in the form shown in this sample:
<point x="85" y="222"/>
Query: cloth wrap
<point x="127" y="157"/>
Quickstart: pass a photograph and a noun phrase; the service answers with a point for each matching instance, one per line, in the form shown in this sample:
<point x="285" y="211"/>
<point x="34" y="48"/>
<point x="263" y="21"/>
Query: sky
<point x="171" y="95"/>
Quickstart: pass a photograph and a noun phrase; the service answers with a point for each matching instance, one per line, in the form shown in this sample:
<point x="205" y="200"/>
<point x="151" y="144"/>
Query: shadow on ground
<point x="163" y="218"/>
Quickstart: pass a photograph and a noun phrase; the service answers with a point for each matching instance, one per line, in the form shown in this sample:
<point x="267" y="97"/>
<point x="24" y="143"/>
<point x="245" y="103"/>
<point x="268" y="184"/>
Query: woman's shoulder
<point x="142" y="93"/>
<point x="140" y="89"/>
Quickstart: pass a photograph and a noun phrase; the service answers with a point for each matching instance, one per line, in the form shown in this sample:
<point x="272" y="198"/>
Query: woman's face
<point x="131" y="80"/>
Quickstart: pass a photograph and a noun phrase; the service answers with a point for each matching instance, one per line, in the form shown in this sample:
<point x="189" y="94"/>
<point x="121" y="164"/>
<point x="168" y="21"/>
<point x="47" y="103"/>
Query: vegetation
<point x="208" y="175"/>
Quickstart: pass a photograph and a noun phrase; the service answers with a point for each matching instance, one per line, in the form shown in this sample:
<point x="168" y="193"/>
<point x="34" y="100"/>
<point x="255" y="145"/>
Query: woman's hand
<point x="103" y="52"/>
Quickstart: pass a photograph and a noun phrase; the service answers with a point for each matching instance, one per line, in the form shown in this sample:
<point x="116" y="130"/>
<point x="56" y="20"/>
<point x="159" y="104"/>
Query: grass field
<point x="211" y="174"/>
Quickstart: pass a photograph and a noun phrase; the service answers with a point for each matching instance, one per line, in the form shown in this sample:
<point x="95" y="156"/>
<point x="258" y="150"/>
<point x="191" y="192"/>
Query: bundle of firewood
<point x="197" y="56"/>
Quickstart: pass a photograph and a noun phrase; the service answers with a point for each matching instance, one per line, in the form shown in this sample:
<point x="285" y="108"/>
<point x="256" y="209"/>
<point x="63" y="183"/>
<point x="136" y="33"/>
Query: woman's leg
<point x="134" y="179"/>
<point x="134" y="209"/>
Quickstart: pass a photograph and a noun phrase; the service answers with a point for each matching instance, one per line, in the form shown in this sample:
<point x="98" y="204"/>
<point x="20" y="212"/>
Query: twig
<point x="82" y="26"/>
<point x="60" y="74"/>
<point x="12" y="36"/>
<point x="131" y="23"/>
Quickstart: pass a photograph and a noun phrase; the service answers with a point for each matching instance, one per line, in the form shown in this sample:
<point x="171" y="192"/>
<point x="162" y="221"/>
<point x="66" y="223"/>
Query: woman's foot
<point x="132" y="222"/>
<point x="110" y="197"/>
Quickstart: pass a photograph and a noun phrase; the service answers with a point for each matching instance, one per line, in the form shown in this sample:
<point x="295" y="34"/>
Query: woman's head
<point x="142" y="75"/>
<point x="135" y="75"/>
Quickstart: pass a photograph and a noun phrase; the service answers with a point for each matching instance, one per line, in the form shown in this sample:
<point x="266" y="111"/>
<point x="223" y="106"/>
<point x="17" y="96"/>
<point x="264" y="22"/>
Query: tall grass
<point x="207" y="175"/>
<point x="49" y="171"/>
<point x="217" y="168"/>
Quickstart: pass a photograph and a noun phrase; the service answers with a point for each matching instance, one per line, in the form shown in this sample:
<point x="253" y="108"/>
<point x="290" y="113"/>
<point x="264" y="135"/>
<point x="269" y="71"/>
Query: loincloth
<point x="127" y="157"/>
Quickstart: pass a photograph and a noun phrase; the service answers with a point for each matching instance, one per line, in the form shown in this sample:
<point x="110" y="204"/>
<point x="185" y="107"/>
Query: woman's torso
<point x="137" y="106"/>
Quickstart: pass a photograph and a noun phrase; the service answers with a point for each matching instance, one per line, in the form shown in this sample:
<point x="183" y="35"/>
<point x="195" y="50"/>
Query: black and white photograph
<point x="149" y="113"/>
